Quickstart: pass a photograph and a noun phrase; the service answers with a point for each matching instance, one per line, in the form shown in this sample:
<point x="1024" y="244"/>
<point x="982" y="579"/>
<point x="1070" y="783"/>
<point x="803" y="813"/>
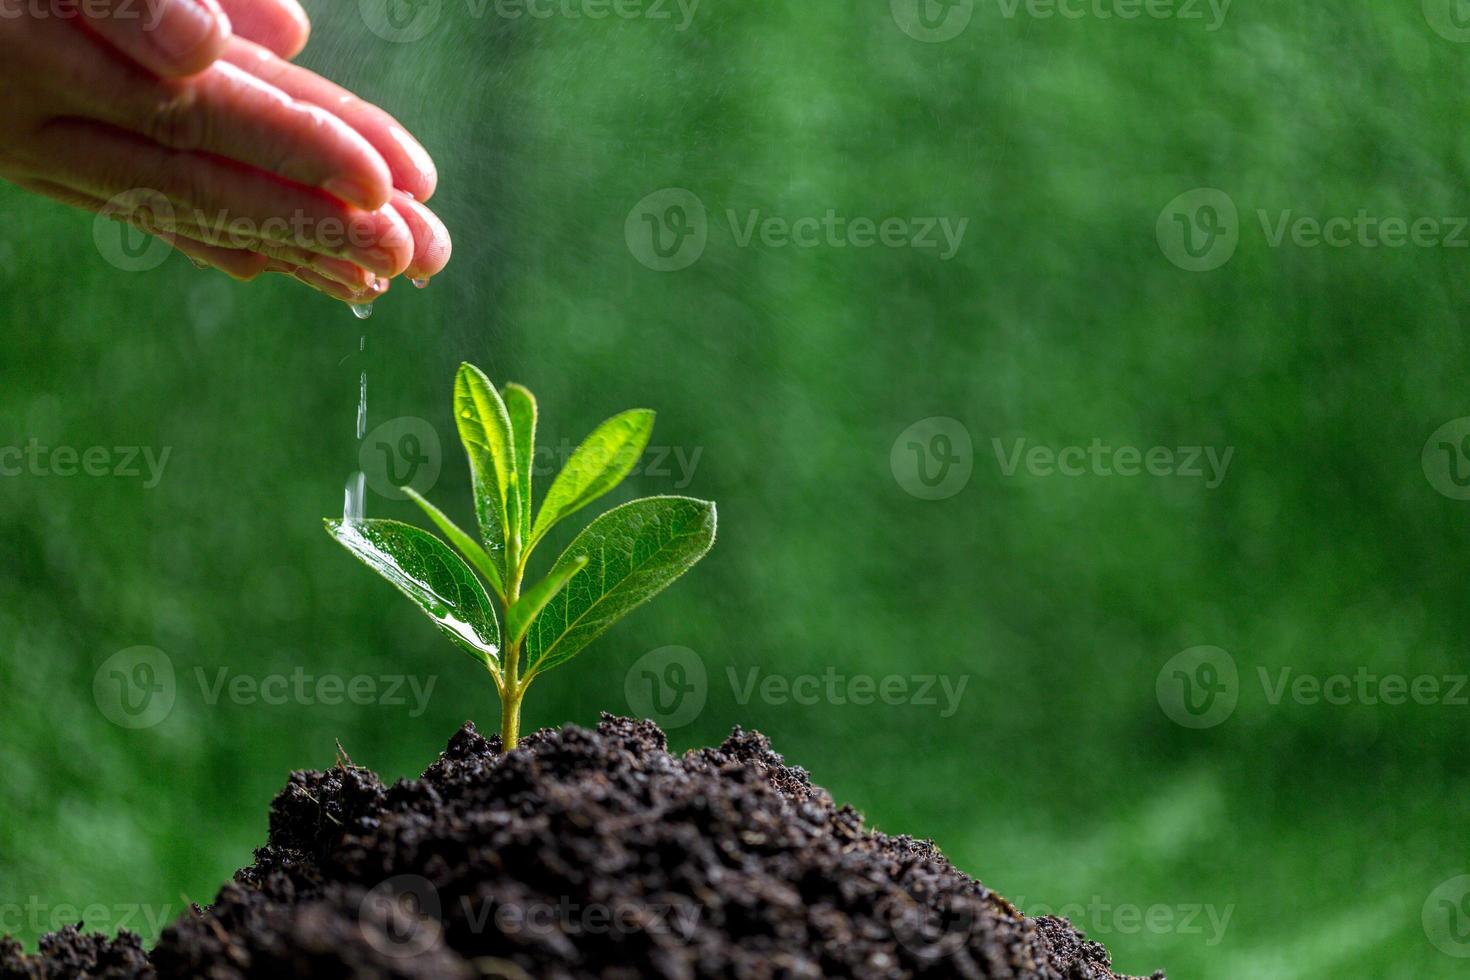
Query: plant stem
<point x="510" y="717"/>
<point x="511" y="692"/>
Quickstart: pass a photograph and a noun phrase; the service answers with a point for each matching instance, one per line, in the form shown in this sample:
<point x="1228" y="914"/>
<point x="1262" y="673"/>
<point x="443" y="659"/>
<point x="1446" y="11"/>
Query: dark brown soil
<point x="585" y="855"/>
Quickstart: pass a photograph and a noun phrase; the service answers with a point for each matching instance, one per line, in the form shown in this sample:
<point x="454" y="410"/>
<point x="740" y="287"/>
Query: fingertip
<point x="419" y="174"/>
<point x="249" y="267"/>
<point x="371" y="192"/>
<point x="190" y="36"/>
<point x="296" y="37"/>
<point x="432" y="244"/>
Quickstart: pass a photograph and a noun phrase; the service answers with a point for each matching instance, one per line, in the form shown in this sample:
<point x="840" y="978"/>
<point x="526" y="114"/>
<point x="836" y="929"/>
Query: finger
<point x="280" y="25"/>
<point x="413" y="169"/>
<point x="233" y="201"/>
<point x="352" y="276"/>
<point x="224" y="111"/>
<point x="338" y="291"/>
<point x="170" y="38"/>
<point x="431" y="244"/>
<point x="233" y="262"/>
<point x="228" y="112"/>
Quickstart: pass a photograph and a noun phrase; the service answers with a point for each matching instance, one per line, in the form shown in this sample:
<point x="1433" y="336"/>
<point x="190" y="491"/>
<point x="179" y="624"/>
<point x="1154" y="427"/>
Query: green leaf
<point x="467" y="545"/>
<point x="518" y="619"/>
<point x="520" y="404"/>
<point x="423" y="568"/>
<point x="598" y="465"/>
<point x="484" y="428"/>
<point x="634" y="552"/>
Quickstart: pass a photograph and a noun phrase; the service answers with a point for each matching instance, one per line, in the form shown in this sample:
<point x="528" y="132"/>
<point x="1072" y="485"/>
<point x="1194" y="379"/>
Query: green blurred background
<point x="1330" y="835"/>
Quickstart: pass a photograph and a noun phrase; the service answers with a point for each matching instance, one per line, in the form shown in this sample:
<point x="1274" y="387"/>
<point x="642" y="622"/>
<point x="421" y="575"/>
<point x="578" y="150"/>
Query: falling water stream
<point x="354" y="495"/>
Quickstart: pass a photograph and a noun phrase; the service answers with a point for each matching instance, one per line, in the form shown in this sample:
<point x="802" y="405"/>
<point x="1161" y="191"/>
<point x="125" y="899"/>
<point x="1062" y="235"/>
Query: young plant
<point x="618" y="562"/>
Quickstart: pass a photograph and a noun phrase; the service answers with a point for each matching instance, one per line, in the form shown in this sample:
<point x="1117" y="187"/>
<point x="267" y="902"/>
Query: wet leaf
<point x="519" y="619"/>
<point x="633" y="552"/>
<point x="467" y="545"/>
<point x="424" y="568"/>
<point x="520" y="405"/>
<point x="484" y="428"/>
<point x="598" y="464"/>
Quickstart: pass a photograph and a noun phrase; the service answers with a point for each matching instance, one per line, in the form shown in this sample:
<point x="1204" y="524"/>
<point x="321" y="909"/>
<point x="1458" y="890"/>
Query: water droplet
<point x="419" y="283"/>
<point x="362" y="310"/>
<point x="467" y="414"/>
<point x="352" y="497"/>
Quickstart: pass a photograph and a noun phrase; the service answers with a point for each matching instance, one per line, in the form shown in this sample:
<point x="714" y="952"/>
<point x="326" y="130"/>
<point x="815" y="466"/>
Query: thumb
<point x="170" y="38"/>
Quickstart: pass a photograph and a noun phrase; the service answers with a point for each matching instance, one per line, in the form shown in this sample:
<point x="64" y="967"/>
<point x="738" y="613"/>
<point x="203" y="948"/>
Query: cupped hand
<point x="174" y="120"/>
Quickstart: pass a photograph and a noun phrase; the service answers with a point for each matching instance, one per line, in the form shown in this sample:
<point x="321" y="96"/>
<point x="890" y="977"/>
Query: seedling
<point x="618" y="562"/>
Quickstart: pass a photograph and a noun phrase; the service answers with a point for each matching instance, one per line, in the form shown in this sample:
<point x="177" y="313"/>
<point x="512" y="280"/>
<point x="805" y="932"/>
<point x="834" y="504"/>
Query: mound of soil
<point x="585" y="854"/>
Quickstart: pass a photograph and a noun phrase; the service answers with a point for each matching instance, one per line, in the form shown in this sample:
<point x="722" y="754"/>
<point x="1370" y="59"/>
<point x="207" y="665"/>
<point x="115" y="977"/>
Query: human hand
<point x="258" y="165"/>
